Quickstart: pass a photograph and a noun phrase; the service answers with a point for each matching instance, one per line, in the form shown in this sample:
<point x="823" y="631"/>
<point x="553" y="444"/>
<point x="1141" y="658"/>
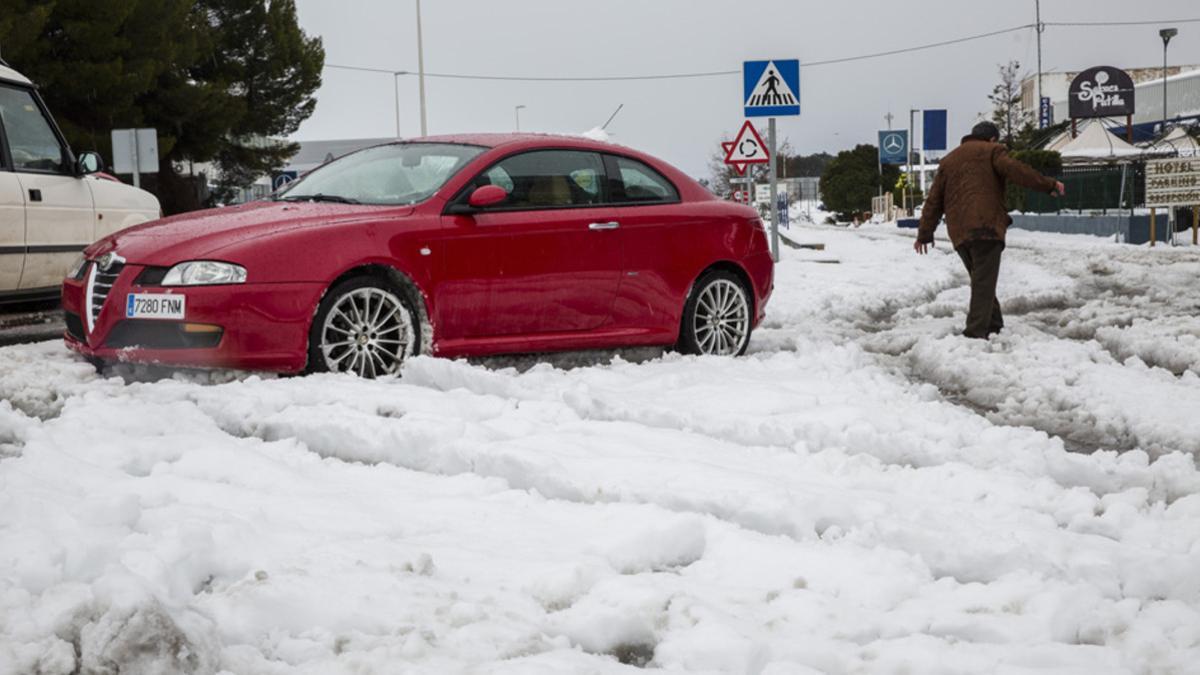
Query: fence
<point x="1090" y="188"/>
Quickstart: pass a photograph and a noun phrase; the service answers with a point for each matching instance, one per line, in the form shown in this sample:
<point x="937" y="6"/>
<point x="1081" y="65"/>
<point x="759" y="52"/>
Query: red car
<point x="453" y="246"/>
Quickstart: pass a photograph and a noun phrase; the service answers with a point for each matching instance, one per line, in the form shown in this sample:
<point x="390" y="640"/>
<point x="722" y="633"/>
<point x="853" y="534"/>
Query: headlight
<point x="77" y="267"/>
<point x="204" y="273"/>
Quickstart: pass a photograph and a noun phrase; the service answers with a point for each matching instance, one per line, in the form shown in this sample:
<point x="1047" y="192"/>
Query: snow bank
<point x="864" y="492"/>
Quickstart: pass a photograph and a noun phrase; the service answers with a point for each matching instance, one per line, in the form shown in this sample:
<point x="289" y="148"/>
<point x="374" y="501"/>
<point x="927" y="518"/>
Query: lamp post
<point x="1166" y="34"/>
<point x="517" y="114"/>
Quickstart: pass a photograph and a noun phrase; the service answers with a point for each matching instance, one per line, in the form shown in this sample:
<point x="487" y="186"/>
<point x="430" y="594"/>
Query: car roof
<point x="524" y="140"/>
<point x="9" y="75"/>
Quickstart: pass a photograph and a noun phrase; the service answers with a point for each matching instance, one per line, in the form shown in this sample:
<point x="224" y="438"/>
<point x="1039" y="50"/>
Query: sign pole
<point x="1152" y="224"/>
<point x="137" y="180"/>
<point x="774" y="186"/>
<point x="1195" y="225"/>
<point x="879" y="163"/>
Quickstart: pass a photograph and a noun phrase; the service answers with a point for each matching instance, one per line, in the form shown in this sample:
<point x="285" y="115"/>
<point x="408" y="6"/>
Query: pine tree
<point x="852" y="178"/>
<point x="219" y="79"/>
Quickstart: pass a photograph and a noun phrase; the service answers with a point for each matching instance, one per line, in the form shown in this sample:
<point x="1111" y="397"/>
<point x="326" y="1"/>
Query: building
<point x="315" y="153"/>
<point x="1183" y="96"/>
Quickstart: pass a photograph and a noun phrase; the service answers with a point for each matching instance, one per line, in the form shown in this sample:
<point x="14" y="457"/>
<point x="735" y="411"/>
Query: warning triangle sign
<point x="747" y="147"/>
<point x="771" y="90"/>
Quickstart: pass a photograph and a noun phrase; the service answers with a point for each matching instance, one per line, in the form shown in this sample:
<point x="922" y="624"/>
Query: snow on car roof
<point x="492" y="140"/>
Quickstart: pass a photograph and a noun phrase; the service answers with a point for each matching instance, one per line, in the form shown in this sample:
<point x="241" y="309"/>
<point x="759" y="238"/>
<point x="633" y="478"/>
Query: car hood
<point x="192" y="236"/>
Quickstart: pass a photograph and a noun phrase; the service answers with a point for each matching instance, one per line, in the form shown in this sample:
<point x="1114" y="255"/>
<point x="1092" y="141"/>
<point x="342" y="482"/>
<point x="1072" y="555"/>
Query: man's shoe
<point x="974" y="337"/>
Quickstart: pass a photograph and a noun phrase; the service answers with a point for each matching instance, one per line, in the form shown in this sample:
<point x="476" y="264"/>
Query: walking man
<point x="969" y="191"/>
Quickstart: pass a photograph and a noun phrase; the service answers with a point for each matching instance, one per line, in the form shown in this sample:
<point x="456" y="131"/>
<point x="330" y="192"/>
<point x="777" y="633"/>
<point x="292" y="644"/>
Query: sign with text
<point x="1102" y="91"/>
<point x="1173" y="182"/>
<point x="1045" y="113"/>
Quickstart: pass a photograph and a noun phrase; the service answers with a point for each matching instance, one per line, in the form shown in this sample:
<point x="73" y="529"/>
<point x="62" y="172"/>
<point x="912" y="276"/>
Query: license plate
<point x="154" y="306"/>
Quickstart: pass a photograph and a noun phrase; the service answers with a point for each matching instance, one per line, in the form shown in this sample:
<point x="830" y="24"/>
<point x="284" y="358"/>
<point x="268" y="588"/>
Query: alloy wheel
<point x="722" y="318"/>
<point x="369" y="332"/>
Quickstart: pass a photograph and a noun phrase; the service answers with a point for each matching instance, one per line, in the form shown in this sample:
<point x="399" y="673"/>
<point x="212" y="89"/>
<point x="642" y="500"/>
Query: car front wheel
<point x="716" y="318"/>
<point x="364" y="326"/>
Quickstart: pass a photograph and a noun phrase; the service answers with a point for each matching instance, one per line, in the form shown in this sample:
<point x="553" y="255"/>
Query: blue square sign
<point x="771" y="88"/>
<point x="893" y="147"/>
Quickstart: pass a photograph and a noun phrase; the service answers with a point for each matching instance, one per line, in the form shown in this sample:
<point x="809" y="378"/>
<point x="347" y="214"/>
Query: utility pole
<point x="396" y="90"/>
<point x="421" y="70"/>
<point x="1038" y="8"/>
<point x="908" y="161"/>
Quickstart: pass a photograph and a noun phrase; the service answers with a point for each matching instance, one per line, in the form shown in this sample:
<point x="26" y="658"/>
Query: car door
<point x="552" y="251"/>
<point x="655" y="227"/>
<point x="12" y="230"/>
<point x="59" y="214"/>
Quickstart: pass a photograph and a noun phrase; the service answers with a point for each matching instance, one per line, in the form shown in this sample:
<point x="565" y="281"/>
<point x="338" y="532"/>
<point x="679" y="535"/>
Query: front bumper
<point x="264" y="326"/>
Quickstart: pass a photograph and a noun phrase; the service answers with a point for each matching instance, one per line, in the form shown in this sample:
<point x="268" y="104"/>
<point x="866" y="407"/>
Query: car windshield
<point x="400" y="173"/>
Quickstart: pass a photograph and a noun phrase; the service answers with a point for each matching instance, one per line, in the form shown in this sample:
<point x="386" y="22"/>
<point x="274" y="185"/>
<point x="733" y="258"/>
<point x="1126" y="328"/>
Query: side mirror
<point x="488" y="195"/>
<point x="88" y="163"/>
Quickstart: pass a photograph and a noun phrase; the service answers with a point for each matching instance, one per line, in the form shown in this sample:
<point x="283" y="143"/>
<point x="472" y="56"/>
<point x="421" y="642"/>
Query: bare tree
<point x="1007" y="111"/>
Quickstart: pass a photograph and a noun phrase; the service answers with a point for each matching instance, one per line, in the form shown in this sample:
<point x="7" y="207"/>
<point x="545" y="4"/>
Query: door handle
<point x="611" y="225"/>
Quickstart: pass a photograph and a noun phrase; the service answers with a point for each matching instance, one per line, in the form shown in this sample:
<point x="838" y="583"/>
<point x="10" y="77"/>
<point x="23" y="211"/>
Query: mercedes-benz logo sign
<point x="108" y="260"/>
<point x="893" y="143"/>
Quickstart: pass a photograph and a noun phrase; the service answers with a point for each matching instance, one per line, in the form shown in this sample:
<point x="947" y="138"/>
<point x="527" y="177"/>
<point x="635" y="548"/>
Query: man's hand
<point x="922" y="247"/>
<point x="1059" y="189"/>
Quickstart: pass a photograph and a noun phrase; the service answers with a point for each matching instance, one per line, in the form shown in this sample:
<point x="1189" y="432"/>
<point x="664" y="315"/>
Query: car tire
<point x="716" y="316"/>
<point x="366" y="326"/>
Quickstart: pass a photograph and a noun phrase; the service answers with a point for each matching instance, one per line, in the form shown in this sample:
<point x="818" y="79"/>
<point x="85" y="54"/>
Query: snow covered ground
<point x="866" y="491"/>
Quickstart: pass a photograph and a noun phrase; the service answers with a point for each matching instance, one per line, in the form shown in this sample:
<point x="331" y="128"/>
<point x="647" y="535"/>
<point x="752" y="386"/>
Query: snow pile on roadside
<point x="820" y="505"/>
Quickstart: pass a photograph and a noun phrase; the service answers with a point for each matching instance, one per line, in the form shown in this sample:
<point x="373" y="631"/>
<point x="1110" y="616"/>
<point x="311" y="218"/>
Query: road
<point x="30" y="322"/>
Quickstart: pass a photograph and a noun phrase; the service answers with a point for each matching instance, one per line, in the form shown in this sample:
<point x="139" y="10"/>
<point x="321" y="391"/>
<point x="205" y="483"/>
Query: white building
<point x="1183" y="92"/>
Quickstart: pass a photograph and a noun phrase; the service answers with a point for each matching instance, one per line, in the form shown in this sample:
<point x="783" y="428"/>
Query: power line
<point x="1118" y="23"/>
<point x="931" y="45"/>
<point x="679" y="76"/>
<point x="727" y="73"/>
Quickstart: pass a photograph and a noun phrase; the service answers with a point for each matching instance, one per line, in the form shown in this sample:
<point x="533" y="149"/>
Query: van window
<point x="32" y="143"/>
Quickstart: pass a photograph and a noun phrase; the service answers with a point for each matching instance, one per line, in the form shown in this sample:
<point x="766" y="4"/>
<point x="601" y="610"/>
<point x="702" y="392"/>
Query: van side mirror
<point x="88" y="163"/>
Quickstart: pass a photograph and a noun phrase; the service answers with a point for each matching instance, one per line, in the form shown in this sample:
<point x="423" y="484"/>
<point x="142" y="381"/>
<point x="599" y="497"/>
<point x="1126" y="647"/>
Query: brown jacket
<point x="969" y="191"/>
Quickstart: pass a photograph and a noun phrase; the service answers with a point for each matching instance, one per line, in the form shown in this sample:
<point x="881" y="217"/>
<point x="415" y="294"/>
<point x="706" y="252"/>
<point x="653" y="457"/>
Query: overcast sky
<point x="683" y="120"/>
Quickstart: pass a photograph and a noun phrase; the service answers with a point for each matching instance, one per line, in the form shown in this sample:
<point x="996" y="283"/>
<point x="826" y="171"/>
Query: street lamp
<point x="1166" y="34"/>
<point x="517" y="113"/>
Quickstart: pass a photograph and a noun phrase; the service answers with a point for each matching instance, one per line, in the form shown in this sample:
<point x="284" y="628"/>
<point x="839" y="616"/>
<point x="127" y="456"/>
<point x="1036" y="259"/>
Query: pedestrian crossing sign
<point x="771" y="88"/>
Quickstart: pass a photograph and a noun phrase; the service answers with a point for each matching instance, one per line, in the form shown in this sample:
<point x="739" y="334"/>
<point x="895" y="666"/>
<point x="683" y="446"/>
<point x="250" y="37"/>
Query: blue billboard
<point x="893" y="147"/>
<point x="933" y="130"/>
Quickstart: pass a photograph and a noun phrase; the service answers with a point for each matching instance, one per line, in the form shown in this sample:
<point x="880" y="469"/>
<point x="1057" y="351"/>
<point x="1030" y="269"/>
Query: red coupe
<point x="454" y="246"/>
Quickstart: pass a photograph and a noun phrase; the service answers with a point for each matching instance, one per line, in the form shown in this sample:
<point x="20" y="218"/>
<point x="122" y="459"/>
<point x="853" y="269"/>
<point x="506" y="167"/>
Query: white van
<point x="52" y="204"/>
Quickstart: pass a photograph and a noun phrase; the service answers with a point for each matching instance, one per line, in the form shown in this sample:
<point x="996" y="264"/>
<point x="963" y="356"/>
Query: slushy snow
<point x="865" y="491"/>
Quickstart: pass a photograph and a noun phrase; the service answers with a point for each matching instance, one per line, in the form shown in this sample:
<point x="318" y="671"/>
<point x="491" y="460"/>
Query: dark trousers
<point x="982" y="259"/>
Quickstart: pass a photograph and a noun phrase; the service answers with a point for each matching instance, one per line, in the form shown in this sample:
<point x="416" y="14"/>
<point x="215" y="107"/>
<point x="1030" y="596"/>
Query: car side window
<point x="547" y="179"/>
<point x="636" y="182"/>
<point x="32" y="142"/>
